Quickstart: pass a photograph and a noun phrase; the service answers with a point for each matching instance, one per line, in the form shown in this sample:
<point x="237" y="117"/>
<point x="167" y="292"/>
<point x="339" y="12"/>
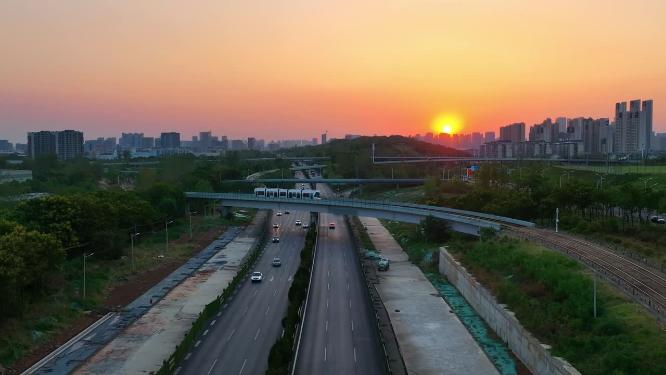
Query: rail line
<point x="645" y="285"/>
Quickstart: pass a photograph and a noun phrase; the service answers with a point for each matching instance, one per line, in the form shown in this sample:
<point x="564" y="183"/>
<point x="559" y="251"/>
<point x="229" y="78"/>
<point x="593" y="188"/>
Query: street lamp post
<point x="84" y="272"/>
<point x="166" y="229"/>
<point x="191" y="212"/>
<point x="132" y="235"/>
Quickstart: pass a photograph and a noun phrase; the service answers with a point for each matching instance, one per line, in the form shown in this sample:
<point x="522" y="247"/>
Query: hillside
<point x="351" y="158"/>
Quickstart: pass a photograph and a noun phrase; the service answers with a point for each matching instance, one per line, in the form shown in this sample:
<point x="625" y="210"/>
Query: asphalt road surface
<point x="339" y="333"/>
<point x="239" y="340"/>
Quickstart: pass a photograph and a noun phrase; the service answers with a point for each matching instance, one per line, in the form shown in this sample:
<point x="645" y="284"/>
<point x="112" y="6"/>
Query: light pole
<point x="191" y="212"/>
<point x="132" y="235"/>
<point x="84" y="272"/>
<point x="166" y="230"/>
<point x="568" y="173"/>
<point x="601" y="181"/>
<point x="645" y="181"/>
<point x="557" y="219"/>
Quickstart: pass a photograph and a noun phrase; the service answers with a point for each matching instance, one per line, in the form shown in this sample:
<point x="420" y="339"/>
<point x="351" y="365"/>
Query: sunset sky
<point x="292" y="69"/>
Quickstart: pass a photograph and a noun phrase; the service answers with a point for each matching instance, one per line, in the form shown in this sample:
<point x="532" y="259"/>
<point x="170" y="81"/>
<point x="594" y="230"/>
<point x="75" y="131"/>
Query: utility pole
<point x="84" y="272"/>
<point x="166" y="229"/>
<point x="594" y="294"/>
<point x="557" y="219"/>
<point x="132" y="235"/>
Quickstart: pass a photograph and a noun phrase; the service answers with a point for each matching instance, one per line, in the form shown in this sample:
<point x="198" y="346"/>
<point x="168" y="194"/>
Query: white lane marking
<point x="329" y="273"/>
<point x="347" y="286"/>
<point x="211" y="366"/>
<point x="242" y="367"/>
<point x="328" y="285"/>
<point x="257" y="334"/>
<point x="350" y="303"/>
<point x="275" y="292"/>
<point x="188" y="356"/>
<point x="197" y="344"/>
<point x="205" y="332"/>
<point x="327" y="303"/>
<point x="255" y="292"/>
<point x="352" y="326"/>
<point x="268" y="308"/>
<point x="272" y="278"/>
<point x="327" y="326"/>
<point x="354" y="354"/>
<point x="324" y="354"/>
<point x="289" y="279"/>
<point x="177" y="371"/>
<point x="232" y="334"/>
<point x="219" y="314"/>
<point x="213" y="322"/>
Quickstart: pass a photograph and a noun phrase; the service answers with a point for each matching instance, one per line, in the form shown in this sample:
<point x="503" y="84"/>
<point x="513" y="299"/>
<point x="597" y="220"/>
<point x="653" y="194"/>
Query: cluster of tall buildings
<point x="70" y="144"/>
<point x="629" y="133"/>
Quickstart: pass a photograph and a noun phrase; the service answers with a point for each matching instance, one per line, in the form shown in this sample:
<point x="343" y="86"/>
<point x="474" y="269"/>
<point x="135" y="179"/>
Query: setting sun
<point x="447" y="123"/>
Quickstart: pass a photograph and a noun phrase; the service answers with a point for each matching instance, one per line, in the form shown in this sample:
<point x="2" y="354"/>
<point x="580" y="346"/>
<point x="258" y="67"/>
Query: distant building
<point x="17" y="175"/>
<point x="477" y="140"/>
<point x="130" y="141"/>
<point x="659" y="142"/>
<point x="323" y="138"/>
<point x="170" y="140"/>
<point x="21" y="148"/>
<point x="251" y="143"/>
<point x="238" y="144"/>
<point x="489" y="137"/>
<point x="547" y="131"/>
<point x="513" y="132"/>
<point x="147" y="142"/>
<point x="6" y="146"/>
<point x="66" y="144"/>
<point x="41" y="143"/>
<point x="314" y="141"/>
<point x="633" y="127"/>
<point x="205" y="140"/>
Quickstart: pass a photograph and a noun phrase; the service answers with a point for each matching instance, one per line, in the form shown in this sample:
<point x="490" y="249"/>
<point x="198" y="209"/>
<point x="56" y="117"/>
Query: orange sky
<point x="292" y="69"/>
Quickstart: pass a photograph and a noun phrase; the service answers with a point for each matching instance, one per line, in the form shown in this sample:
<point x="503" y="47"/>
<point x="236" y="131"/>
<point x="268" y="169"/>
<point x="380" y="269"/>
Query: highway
<point x="239" y="340"/>
<point x="339" y="330"/>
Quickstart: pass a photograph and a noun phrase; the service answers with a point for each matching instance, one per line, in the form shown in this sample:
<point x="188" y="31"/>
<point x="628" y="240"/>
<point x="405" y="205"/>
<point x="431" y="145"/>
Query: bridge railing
<point x="470" y="217"/>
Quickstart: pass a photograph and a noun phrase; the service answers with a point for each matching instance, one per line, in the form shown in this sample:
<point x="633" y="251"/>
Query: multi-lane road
<point x="239" y="340"/>
<point x="339" y="330"/>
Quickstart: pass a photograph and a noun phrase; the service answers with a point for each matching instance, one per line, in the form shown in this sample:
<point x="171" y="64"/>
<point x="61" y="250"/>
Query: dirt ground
<point x="119" y="296"/>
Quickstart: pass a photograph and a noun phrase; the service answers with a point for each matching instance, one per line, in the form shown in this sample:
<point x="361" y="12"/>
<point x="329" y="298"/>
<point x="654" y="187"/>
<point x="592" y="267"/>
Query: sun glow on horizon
<point x="448" y="123"/>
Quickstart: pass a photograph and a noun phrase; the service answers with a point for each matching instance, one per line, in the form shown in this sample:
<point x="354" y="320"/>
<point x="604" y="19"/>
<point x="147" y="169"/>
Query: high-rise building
<point x="514" y="132"/>
<point x="323" y="138"/>
<point x="69" y="144"/>
<point x="147" y="142"/>
<point x="633" y="127"/>
<point x="130" y="140"/>
<point x="314" y="141"/>
<point x="205" y="140"/>
<point x="489" y="137"/>
<point x="575" y="129"/>
<point x="170" y="140"/>
<point x="562" y="123"/>
<point x="6" y="146"/>
<point x="547" y="131"/>
<point x="251" y="143"/>
<point x="41" y="143"/>
<point x="224" y="142"/>
<point x="477" y="140"/>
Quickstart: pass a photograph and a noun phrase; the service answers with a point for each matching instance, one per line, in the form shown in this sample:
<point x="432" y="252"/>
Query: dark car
<point x="275" y="240"/>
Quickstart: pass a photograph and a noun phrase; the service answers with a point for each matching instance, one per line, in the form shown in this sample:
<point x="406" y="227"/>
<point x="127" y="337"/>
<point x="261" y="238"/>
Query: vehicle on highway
<point x="331" y="225"/>
<point x="276" y="262"/>
<point x="298" y="222"/>
<point x="305" y="225"/>
<point x="658" y="220"/>
<point x="276" y="226"/>
<point x="278" y="213"/>
<point x="275" y="240"/>
<point x="383" y="264"/>
<point x="256" y="277"/>
<point x="287" y="193"/>
<point x="286" y="212"/>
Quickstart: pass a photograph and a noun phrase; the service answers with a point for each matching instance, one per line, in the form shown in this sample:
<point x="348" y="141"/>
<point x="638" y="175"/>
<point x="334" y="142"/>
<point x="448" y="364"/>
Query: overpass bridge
<point x="460" y="221"/>
<point x="337" y="181"/>
<point x="306" y="167"/>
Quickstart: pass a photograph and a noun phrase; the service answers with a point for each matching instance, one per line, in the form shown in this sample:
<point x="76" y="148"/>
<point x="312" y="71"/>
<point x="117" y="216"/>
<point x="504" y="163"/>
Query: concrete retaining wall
<point x="525" y="346"/>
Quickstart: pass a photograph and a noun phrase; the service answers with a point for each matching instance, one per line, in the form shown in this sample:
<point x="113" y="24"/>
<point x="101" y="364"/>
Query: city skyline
<point x="304" y="68"/>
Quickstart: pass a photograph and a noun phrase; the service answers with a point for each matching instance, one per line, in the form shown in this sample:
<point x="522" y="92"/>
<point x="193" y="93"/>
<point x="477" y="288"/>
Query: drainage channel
<point x="496" y="351"/>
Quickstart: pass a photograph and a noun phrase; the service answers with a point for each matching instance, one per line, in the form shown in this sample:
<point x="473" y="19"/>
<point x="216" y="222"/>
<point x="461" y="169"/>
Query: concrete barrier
<point x="526" y="347"/>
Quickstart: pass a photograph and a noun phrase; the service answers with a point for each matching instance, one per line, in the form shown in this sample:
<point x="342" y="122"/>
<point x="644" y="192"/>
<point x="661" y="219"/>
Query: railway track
<point x="640" y="282"/>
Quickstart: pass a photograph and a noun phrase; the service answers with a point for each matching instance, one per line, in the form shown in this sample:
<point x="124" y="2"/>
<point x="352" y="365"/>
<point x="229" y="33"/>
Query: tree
<point x="435" y="229"/>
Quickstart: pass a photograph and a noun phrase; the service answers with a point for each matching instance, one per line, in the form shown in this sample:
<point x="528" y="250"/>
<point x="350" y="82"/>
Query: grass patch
<point x="65" y="305"/>
<point x="551" y="295"/>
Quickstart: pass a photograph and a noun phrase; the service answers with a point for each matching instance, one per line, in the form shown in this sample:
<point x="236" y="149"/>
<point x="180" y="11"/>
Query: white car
<point x="331" y="225"/>
<point x="256" y="277"/>
<point x="298" y="222"/>
<point x="276" y="226"/>
<point x="306" y="225"/>
<point x="279" y="213"/>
